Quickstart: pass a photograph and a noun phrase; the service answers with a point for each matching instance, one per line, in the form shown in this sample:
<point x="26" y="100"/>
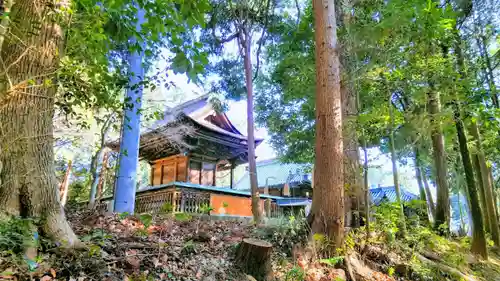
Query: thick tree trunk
<point x="487" y="187"/>
<point x="252" y="165"/>
<point x="327" y="212"/>
<point x="254" y="258"/>
<point x="29" y="185"/>
<point x="63" y="188"/>
<point x="395" y="175"/>
<point x="442" y="212"/>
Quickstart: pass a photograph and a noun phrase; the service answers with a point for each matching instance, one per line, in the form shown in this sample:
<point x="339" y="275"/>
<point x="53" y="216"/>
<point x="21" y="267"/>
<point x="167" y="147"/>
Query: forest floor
<point x="184" y="248"/>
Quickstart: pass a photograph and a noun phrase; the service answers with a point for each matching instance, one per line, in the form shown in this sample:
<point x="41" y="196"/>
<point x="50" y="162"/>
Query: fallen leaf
<point x="53" y="272"/>
<point x="46" y="278"/>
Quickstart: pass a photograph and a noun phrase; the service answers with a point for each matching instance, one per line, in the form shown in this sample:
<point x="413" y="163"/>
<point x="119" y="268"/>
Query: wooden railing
<point x="172" y="200"/>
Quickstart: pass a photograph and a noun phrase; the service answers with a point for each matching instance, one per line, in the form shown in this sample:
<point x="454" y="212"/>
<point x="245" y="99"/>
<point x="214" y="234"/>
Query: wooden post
<point x="254" y="258"/>
<point x="267" y="207"/>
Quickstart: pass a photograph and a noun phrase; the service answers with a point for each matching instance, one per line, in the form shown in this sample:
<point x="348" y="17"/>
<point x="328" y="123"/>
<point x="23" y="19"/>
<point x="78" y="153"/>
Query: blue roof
<point x="389" y="192"/>
<point x="293" y="201"/>
<point x="276" y="173"/>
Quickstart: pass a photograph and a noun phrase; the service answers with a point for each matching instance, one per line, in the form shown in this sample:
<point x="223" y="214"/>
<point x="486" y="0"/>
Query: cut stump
<point x="254" y="258"/>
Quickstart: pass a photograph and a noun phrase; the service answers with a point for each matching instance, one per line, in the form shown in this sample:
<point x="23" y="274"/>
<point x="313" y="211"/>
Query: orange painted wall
<point x="236" y="205"/>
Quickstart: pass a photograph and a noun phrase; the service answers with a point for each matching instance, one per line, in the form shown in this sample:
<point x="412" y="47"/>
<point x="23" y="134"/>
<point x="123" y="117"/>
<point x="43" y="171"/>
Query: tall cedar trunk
<point x="355" y="201"/>
<point x="367" y="191"/>
<point x="478" y="245"/>
<point x="487" y="187"/>
<point x="63" y="188"/>
<point x="495" y="191"/>
<point x="29" y="185"/>
<point x="252" y="165"/>
<point x="327" y="212"/>
<point x="478" y="237"/>
<point x="395" y="175"/>
<point x="421" y="188"/>
<point x="482" y="193"/>
<point x="432" y="206"/>
<point x="354" y="192"/>
<point x="442" y="212"/>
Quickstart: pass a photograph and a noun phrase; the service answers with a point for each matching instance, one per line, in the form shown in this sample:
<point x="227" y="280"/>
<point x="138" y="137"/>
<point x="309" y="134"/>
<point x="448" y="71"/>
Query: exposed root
<point x="443" y="267"/>
<point x="58" y="229"/>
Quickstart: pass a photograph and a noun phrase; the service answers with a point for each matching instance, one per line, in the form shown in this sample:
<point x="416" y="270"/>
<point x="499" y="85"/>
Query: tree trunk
<point x="488" y="71"/>
<point x="421" y="188"/>
<point x="482" y="193"/>
<point x="254" y="258"/>
<point x="478" y="238"/>
<point x="478" y="245"/>
<point x="96" y="159"/>
<point x="29" y="186"/>
<point x="252" y="165"/>
<point x="102" y="176"/>
<point x="432" y="206"/>
<point x="367" y="192"/>
<point x="327" y="214"/>
<point x="487" y="187"/>
<point x="355" y="202"/>
<point x="395" y="175"/>
<point x="442" y="212"/>
<point x="63" y="188"/>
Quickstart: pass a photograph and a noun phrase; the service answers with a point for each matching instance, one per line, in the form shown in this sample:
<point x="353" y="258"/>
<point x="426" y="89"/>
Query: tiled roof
<point x="277" y="173"/>
<point x="389" y="192"/>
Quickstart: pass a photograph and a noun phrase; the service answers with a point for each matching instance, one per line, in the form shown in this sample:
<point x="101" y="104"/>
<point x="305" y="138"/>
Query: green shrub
<point x="295" y="274"/>
<point x="16" y="234"/>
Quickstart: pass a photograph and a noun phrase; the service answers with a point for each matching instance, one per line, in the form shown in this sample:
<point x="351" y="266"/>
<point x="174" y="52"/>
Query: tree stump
<point x="254" y="258"/>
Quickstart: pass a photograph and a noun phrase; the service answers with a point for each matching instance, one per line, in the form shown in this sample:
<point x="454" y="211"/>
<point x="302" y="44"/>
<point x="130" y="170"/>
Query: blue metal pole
<point x="124" y="199"/>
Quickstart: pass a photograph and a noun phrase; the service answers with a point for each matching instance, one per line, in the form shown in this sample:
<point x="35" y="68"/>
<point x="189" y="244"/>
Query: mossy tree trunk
<point x="29" y="185"/>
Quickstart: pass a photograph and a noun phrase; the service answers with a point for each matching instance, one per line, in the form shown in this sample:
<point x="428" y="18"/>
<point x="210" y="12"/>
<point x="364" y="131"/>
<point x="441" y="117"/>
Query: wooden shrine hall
<point x="186" y="150"/>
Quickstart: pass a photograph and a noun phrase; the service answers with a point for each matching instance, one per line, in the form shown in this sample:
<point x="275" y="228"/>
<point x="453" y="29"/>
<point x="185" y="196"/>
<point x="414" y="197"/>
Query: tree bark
<point x="355" y="202"/>
<point x="395" y="175"/>
<point x="96" y="159"/>
<point x="29" y="186"/>
<point x="246" y="42"/>
<point x="478" y="245"/>
<point x="482" y="193"/>
<point x="442" y="212"/>
<point x="487" y="186"/>
<point x="254" y="258"/>
<point x="367" y="192"/>
<point x="102" y="176"/>
<point x="327" y="214"/>
<point x="63" y="188"/>
<point x="428" y="193"/>
<point x="421" y="188"/>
